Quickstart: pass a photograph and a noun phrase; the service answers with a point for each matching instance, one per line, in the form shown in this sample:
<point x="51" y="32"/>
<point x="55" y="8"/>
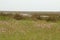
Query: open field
<point x="28" y="29"/>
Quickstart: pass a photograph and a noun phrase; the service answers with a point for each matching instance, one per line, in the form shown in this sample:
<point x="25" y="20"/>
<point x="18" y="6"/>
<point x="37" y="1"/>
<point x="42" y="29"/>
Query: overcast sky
<point x="29" y="5"/>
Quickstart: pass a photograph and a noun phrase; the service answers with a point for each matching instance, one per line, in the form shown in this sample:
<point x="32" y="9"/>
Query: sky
<point x="29" y="5"/>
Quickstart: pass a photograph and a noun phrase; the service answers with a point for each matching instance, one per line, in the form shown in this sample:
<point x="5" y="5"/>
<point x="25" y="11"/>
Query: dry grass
<point x="29" y="30"/>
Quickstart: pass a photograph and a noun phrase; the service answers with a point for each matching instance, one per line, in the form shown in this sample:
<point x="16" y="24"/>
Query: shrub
<point x="36" y="17"/>
<point x="17" y="17"/>
<point x="53" y="18"/>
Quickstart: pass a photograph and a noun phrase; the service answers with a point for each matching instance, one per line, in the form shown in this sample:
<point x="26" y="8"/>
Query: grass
<point x="28" y="29"/>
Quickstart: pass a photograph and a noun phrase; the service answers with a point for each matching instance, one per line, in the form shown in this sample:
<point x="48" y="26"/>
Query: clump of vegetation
<point x="48" y="18"/>
<point x="53" y="18"/>
<point x="36" y="17"/>
<point x="17" y="17"/>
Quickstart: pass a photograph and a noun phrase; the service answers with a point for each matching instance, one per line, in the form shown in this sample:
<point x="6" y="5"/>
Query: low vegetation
<point x="35" y="16"/>
<point x="15" y="27"/>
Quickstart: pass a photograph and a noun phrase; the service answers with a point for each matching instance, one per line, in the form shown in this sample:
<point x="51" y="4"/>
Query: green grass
<point x="5" y="18"/>
<point x="29" y="30"/>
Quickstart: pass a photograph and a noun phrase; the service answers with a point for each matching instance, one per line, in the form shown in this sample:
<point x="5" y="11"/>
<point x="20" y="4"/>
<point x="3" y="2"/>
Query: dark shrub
<point x="53" y="18"/>
<point x="17" y="17"/>
<point x="36" y="17"/>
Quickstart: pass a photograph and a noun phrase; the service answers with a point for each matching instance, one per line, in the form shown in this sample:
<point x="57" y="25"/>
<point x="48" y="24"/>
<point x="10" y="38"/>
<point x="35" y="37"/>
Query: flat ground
<point x="29" y="30"/>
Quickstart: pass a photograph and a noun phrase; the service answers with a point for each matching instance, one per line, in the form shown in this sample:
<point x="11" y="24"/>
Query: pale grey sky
<point x="29" y="5"/>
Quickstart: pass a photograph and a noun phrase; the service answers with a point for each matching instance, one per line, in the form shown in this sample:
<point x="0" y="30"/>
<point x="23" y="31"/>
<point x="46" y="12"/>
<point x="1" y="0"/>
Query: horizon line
<point x="34" y="10"/>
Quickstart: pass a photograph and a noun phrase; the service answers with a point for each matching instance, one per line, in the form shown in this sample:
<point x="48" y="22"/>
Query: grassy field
<point x="29" y="30"/>
<point x="17" y="27"/>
